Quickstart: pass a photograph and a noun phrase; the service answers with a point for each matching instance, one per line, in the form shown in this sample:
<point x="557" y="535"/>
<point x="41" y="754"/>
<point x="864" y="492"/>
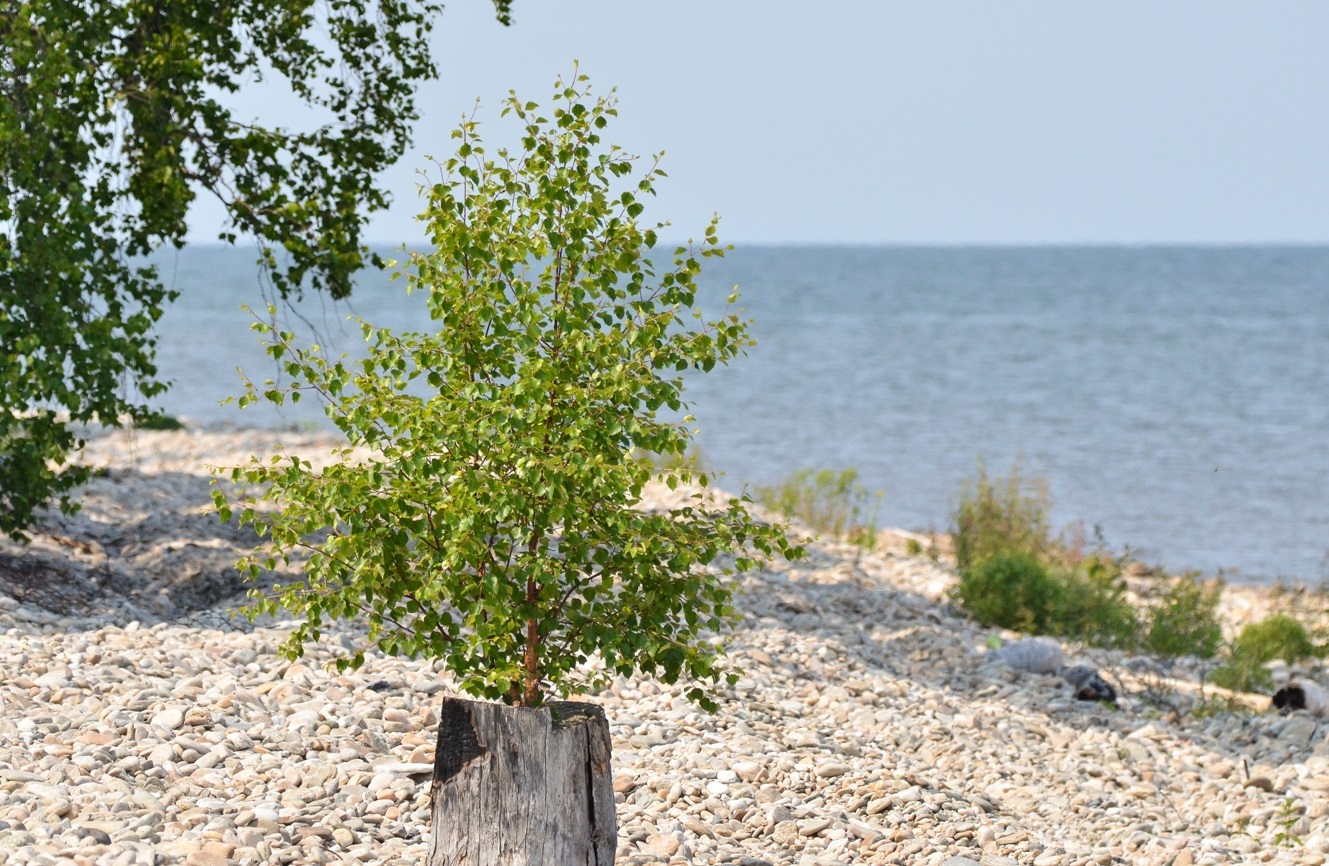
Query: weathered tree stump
<point x="516" y="786"/>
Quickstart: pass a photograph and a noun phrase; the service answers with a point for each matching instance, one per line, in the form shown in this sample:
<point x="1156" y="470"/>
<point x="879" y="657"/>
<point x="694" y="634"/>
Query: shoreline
<point x="868" y="728"/>
<point x="161" y="457"/>
<point x="310" y="431"/>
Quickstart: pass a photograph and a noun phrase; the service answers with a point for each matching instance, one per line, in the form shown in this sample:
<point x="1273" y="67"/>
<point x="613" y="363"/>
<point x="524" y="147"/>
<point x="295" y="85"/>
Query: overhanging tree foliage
<point x="495" y="523"/>
<point x="113" y="119"/>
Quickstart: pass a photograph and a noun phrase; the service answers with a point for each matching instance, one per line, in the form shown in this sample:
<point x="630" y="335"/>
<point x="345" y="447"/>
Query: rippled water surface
<point x="1176" y="397"/>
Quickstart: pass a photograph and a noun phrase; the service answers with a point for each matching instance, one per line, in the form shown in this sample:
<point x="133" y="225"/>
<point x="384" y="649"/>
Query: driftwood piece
<point x="517" y="786"/>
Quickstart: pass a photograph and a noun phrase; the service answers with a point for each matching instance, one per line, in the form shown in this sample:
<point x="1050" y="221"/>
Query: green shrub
<point x="1010" y="590"/>
<point x="828" y="501"/>
<point x="1183" y="620"/>
<point x="1005" y="515"/>
<point x="1089" y="604"/>
<point x="1277" y="636"/>
<point x="1017" y="591"/>
<point x="1015" y="574"/>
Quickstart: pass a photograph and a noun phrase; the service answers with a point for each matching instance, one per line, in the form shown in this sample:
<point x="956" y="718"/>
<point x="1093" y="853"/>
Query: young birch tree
<point x="496" y="523"/>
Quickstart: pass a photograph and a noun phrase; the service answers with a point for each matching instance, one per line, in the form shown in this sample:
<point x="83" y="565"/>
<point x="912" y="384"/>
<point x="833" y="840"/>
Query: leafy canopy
<point x="495" y="524"/>
<point x="112" y="120"/>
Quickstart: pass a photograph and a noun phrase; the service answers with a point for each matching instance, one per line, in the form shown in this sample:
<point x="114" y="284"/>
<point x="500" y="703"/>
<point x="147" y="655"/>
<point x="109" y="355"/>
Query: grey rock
<point x="1035" y="655"/>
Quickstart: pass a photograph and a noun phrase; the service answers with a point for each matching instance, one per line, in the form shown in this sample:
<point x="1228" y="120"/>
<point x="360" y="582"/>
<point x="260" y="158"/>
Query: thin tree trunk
<point x="522" y="786"/>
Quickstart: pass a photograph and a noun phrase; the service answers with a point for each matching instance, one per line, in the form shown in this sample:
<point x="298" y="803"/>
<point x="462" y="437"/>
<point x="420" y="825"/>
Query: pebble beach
<point x="142" y="723"/>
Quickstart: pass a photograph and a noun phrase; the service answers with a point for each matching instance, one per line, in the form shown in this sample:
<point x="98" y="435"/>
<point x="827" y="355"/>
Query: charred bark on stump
<point x="518" y="786"/>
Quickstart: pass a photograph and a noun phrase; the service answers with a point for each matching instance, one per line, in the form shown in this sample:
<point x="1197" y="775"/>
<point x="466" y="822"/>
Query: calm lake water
<point x="1176" y="397"/>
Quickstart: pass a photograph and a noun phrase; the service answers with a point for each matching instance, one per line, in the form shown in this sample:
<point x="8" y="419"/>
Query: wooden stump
<point x="516" y="786"/>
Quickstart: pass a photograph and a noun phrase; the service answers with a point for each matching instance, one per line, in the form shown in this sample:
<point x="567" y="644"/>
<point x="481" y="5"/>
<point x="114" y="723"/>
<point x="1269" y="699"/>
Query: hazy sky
<point x="949" y="121"/>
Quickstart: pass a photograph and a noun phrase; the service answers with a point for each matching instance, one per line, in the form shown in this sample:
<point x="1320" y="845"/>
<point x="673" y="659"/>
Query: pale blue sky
<point x="950" y="121"/>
